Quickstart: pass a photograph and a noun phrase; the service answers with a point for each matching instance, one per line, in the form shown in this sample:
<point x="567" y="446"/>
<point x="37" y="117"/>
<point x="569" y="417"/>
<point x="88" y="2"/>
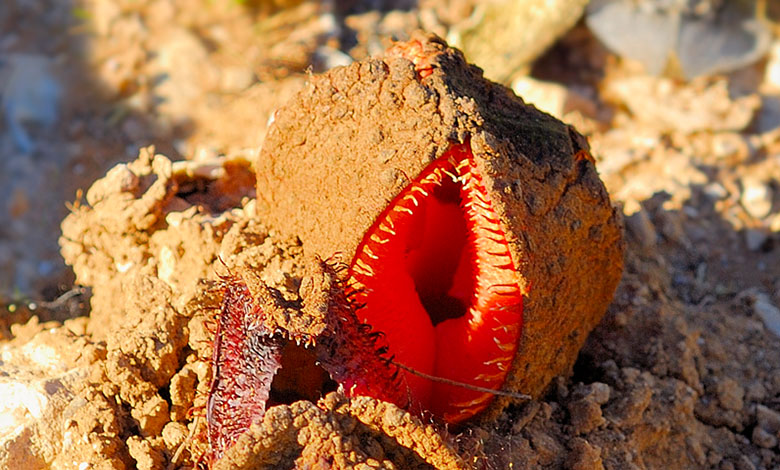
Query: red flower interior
<point x="437" y="278"/>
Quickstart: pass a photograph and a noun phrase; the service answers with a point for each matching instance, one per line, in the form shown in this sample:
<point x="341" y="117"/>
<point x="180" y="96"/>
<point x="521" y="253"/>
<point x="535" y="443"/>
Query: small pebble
<point x="768" y="312"/>
<point x="768" y="419"/>
<point x="730" y="394"/>
<point x="235" y="79"/>
<point x="548" y="97"/>
<point x="671" y="226"/>
<point x="642" y="228"/>
<point x="744" y="463"/>
<point x="729" y="144"/>
<point x="600" y="392"/>
<point x="772" y="71"/>
<point x="715" y="191"/>
<point x="756" y="198"/>
<point x="174" y="433"/>
<point x="690" y="211"/>
<point x="329" y="57"/>
<point x="119" y="179"/>
<point x="763" y="439"/>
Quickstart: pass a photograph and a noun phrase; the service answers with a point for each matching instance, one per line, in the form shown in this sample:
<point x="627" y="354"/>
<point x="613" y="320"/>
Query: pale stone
<point x="756" y="197"/>
<point x="545" y="96"/>
<point x="768" y="312"/>
<point x="37" y="382"/>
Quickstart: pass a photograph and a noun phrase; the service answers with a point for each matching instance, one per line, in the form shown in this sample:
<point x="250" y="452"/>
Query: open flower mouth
<point x="441" y="296"/>
<point x="437" y="278"/>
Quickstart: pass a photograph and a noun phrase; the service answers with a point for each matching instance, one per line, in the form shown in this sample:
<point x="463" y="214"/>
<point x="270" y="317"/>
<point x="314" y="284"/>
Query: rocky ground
<point x="681" y="373"/>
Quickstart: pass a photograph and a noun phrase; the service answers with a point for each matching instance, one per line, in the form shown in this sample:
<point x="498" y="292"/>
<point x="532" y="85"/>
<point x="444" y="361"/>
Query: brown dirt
<point x="680" y="373"/>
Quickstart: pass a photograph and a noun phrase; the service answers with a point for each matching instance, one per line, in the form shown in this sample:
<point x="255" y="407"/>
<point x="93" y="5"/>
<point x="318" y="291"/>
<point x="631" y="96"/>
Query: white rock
<point x="331" y="57"/>
<point x="37" y="383"/>
<point x="167" y="266"/>
<point x="768" y="312"/>
<point x="772" y="70"/>
<point x="715" y="191"/>
<point x="547" y="97"/>
<point x="756" y="197"/>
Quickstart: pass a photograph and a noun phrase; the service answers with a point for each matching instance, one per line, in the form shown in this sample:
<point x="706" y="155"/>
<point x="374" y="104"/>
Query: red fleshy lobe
<point x="436" y="276"/>
<point x="244" y="360"/>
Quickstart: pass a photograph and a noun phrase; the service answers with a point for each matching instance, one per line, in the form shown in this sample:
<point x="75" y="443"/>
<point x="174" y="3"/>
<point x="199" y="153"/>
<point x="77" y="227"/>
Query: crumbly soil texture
<point x="681" y="373"/>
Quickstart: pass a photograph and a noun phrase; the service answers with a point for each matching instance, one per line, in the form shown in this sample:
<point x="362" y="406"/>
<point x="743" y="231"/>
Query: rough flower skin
<point x="244" y="360"/>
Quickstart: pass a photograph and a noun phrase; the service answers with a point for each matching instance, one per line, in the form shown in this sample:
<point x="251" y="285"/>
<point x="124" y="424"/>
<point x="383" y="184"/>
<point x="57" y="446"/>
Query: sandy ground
<point x="682" y="372"/>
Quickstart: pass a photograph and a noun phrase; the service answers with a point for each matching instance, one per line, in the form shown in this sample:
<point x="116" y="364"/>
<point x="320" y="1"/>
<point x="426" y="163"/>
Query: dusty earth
<point x="682" y="372"/>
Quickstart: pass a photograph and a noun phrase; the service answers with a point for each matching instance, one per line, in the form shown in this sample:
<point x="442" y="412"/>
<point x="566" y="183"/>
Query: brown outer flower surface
<point x="340" y="151"/>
